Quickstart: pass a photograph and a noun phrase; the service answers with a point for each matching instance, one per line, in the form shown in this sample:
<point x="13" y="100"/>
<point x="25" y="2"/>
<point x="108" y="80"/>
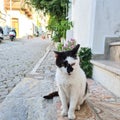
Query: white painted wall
<point x="82" y="15"/>
<point x="107" y="21"/>
<point x="108" y="79"/>
<point x="1" y="5"/>
<point x="25" y="24"/>
<point x="3" y="15"/>
<point x="94" y="20"/>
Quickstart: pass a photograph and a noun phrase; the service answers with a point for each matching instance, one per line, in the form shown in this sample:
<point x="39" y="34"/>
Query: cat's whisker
<point x="72" y="64"/>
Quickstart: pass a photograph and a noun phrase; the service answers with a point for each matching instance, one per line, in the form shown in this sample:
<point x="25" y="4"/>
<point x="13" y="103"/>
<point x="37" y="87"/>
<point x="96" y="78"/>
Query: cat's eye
<point x="72" y="64"/>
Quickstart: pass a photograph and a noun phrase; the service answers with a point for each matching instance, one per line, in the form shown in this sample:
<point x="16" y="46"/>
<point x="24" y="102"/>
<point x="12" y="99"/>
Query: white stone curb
<point x="41" y="60"/>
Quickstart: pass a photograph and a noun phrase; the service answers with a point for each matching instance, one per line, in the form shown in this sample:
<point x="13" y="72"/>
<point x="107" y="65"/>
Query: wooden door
<point x="15" y="24"/>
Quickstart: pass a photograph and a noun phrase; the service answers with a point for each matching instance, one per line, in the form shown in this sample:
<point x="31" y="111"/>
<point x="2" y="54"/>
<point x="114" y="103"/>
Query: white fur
<point x="71" y="88"/>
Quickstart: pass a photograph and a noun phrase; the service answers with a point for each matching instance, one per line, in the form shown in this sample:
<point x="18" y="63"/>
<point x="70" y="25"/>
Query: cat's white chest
<point x="63" y="79"/>
<point x="66" y="82"/>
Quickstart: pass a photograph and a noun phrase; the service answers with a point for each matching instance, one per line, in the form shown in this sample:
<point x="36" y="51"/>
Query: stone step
<point x="108" y="74"/>
<point x="26" y="101"/>
<point x="115" y="51"/>
<point x="104" y="104"/>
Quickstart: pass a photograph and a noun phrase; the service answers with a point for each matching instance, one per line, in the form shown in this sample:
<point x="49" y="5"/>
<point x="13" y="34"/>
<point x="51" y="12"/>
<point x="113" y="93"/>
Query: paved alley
<point x="17" y="58"/>
<point x="26" y="102"/>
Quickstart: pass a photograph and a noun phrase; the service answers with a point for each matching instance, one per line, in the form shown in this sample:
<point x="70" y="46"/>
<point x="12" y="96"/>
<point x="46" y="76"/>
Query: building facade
<point x="20" y="16"/>
<point x="96" y="20"/>
<point x="3" y="14"/>
<point x="16" y="14"/>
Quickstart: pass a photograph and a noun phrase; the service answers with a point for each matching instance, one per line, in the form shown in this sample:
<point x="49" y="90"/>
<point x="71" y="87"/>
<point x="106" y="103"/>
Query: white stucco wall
<point x="2" y="14"/>
<point x="94" y="20"/>
<point x="107" y="21"/>
<point x="25" y="24"/>
<point x="82" y="17"/>
<point x="1" y="5"/>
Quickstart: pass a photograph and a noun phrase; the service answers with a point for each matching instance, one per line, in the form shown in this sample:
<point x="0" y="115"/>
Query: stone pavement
<point x="17" y="58"/>
<point x="25" y="102"/>
<point x="101" y="105"/>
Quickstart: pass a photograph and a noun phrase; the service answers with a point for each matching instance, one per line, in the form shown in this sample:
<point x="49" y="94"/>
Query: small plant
<point x="85" y="55"/>
<point x="69" y="45"/>
<point x="60" y="46"/>
<point x="66" y="46"/>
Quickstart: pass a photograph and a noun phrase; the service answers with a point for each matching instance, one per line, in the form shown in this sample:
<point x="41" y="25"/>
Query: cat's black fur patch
<point x="61" y="56"/>
<point x="86" y="89"/>
<point x="51" y="95"/>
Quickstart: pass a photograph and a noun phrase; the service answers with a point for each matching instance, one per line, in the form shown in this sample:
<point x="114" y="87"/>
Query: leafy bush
<point x="58" y="11"/>
<point x="58" y="27"/>
<point x="85" y="55"/>
<point x="53" y="7"/>
<point x="60" y="46"/>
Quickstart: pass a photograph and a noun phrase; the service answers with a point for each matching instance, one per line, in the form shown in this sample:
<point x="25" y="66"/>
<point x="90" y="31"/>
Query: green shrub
<point x="59" y="27"/>
<point x="58" y="11"/>
<point x="85" y="55"/>
<point x="59" y="47"/>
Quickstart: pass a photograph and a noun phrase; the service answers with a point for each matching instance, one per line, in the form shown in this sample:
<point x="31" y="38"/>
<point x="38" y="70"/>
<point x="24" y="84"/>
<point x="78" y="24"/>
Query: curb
<point x="41" y="60"/>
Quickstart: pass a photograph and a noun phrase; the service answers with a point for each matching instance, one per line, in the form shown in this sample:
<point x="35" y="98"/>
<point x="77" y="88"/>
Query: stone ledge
<point x="111" y="66"/>
<point x="25" y="101"/>
<point x="115" y="44"/>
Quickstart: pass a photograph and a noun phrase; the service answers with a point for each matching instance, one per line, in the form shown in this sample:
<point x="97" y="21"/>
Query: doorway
<point x="15" y="24"/>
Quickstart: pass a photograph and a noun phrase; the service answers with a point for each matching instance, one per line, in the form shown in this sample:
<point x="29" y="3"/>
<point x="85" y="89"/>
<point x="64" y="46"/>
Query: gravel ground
<point x="18" y="58"/>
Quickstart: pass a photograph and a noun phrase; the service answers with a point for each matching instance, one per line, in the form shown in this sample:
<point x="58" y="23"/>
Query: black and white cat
<point x="71" y="82"/>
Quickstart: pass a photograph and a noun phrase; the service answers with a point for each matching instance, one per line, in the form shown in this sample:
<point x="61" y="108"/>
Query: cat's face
<point x="67" y="59"/>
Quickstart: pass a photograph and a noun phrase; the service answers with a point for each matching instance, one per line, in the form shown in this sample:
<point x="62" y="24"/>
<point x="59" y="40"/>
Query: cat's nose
<point x="69" y="69"/>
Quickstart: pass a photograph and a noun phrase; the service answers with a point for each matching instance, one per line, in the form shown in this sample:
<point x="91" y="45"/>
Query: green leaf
<point x="85" y="55"/>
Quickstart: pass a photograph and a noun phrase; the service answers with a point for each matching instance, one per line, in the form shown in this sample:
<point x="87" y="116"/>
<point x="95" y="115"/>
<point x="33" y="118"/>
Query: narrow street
<point x="26" y="102"/>
<point x="18" y="58"/>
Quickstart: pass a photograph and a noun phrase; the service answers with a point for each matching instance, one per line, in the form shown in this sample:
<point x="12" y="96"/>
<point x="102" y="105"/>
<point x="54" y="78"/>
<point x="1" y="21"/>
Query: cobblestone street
<point x="17" y="58"/>
<point x="26" y="102"/>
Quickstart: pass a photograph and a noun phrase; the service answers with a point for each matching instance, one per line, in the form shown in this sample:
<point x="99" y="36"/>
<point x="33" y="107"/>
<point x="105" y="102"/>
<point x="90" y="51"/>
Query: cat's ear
<point x="75" y="49"/>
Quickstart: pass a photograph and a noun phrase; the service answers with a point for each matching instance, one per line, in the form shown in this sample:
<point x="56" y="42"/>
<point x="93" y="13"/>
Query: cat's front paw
<point x="71" y="116"/>
<point x="64" y="113"/>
